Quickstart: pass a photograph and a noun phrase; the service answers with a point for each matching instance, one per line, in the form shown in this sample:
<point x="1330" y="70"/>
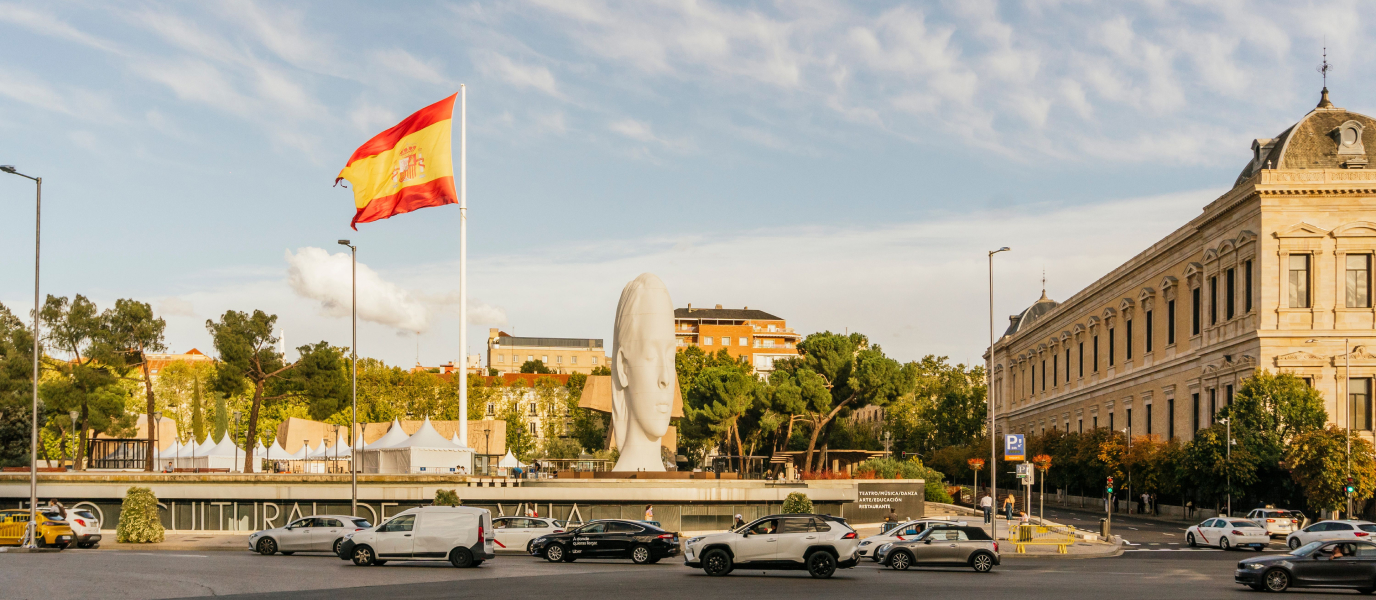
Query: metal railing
<point x="1061" y="536"/>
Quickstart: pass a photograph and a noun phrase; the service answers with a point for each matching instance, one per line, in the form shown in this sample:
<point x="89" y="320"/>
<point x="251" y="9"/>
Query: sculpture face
<point x="643" y="366"/>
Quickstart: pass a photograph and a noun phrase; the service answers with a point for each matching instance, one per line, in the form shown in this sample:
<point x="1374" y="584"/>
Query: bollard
<point x="1103" y="528"/>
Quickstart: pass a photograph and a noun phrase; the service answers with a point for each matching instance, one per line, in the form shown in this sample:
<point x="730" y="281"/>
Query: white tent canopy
<point x="171" y="451"/>
<point x="425" y="452"/>
<point x="509" y="461"/>
<point x="395" y="435"/>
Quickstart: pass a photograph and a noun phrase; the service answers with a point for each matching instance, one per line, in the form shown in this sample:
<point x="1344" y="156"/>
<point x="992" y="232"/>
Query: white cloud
<point x="497" y="65"/>
<point x="318" y="275"/>
<point x="395" y="61"/>
<point x="173" y="306"/>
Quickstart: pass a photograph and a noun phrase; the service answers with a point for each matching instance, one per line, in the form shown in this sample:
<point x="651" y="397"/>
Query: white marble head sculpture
<point x="643" y="376"/>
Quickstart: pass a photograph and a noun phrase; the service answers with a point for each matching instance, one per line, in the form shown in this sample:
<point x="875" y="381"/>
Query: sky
<point x="845" y="166"/>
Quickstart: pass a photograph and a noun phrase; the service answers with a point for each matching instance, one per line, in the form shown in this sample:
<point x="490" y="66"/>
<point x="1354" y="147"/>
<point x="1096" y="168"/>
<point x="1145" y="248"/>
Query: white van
<point x="458" y="534"/>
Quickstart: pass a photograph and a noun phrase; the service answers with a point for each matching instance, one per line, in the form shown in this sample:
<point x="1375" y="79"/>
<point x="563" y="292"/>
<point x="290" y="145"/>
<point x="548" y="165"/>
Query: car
<point x="608" y="538"/>
<point x="53" y="531"/>
<point x="461" y="535"/>
<point x="85" y="527"/>
<point x="316" y="533"/>
<point x="1329" y="564"/>
<point x="1331" y="530"/>
<point x="1276" y="521"/>
<point x="901" y="532"/>
<point x="942" y="545"/>
<point x="819" y="544"/>
<point x="1228" y="533"/>
<point x="517" y="533"/>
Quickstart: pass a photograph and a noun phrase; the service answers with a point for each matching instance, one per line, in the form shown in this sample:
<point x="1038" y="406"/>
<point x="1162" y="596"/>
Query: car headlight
<point x="884" y="548"/>
<point x="349" y="537"/>
<point x="1255" y="566"/>
<point x="695" y="540"/>
<point x="865" y="543"/>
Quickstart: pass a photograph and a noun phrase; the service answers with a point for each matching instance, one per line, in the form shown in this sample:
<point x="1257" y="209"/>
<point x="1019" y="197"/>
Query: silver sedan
<point x="316" y="533"/>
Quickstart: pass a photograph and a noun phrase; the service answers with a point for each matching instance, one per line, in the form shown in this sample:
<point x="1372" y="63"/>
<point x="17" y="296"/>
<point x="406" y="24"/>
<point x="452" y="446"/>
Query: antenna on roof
<point x="1324" y="67"/>
<point x="1043" y="280"/>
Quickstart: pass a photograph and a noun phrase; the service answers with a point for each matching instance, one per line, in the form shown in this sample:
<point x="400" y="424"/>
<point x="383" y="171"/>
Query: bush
<point x="797" y="503"/>
<point x="892" y="468"/>
<point x="139" y="522"/>
<point x="447" y="498"/>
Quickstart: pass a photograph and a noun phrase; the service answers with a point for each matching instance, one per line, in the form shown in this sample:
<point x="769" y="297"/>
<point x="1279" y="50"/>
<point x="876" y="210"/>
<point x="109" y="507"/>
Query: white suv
<point x="1332" y="530"/>
<point x="818" y="543"/>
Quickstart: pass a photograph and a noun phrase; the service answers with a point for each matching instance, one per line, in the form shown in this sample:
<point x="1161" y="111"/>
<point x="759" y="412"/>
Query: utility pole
<point x="989" y="394"/>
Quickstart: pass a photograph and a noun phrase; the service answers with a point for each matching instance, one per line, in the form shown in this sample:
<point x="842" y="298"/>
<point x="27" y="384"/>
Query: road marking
<point x="171" y="555"/>
<point x="1174" y="550"/>
<point x="1169" y="534"/>
<point x="1134" y="528"/>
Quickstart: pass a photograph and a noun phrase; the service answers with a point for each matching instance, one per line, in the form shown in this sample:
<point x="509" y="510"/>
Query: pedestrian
<point x="1189" y="508"/>
<point x="169" y="467"/>
<point x="649" y="512"/>
<point x="1008" y="504"/>
<point x="740" y="522"/>
<point x="58" y="508"/>
<point x="1023" y="519"/>
<point x="986" y="504"/>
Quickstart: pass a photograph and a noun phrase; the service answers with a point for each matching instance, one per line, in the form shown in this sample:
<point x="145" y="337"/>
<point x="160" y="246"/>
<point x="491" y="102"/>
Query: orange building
<point x="753" y="336"/>
<point x="157" y="362"/>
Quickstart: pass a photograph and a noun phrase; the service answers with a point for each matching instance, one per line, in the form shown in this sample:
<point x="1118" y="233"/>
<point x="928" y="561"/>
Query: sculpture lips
<point x="662" y="406"/>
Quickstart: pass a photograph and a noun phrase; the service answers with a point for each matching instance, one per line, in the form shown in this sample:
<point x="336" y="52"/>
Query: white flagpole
<point x="463" y="267"/>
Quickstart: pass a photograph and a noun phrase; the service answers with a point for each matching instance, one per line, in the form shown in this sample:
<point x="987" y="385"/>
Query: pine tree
<point x="221" y="417"/>
<point x="197" y="419"/>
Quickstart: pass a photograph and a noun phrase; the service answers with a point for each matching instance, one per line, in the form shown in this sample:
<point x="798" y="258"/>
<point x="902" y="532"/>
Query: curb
<point x="29" y="550"/>
<point x="1118" y="551"/>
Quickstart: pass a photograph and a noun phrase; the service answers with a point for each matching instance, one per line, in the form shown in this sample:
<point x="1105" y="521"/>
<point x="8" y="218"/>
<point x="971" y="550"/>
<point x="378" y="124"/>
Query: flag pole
<point x="463" y="268"/>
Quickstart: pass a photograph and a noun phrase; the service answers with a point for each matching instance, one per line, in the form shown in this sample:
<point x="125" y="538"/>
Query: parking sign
<point x="1014" y="447"/>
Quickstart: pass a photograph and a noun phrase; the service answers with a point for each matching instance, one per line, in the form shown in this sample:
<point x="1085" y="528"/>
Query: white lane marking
<point x="1169" y="534"/>
<point x="1174" y="550"/>
<point x="1133" y="528"/>
<point x="171" y="555"/>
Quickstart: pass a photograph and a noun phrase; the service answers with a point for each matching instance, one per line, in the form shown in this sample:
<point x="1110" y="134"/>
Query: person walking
<point x="987" y="505"/>
<point x="1142" y="504"/>
<point x="1008" y="504"/>
<point x="649" y="512"/>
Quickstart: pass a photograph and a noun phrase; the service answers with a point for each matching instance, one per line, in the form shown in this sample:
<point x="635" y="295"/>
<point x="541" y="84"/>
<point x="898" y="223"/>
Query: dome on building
<point x="1327" y="138"/>
<point x="1024" y="319"/>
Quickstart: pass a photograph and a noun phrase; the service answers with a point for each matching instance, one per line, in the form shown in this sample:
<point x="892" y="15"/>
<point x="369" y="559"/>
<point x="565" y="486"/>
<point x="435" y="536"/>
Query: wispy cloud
<point x="518" y="74"/>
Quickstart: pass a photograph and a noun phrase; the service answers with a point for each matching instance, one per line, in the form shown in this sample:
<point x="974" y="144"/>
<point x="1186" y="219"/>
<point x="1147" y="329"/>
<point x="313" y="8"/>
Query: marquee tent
<point x="424" y="452"/>
<point x="395" y="435"/>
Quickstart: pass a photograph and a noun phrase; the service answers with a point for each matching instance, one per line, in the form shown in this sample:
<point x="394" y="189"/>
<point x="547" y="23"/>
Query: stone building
<point x="506" y="353"/>
<point x="1274" y="274"/>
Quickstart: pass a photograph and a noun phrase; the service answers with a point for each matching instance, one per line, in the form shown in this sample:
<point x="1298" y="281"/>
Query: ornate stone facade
<point x="1274" y="274"/>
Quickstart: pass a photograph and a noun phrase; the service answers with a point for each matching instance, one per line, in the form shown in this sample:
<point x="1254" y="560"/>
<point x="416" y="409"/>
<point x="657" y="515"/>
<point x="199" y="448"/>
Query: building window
<point x="528" y="357"/>
<point x="558" y="360"/>
<point x="1170" y="322"/>
<point x="1129" y="415"/>
<point x="1359" y="401"/>
<point x="1213" y="300"/>
<point x="544" y="358"/>
<point x="594" y="360"/>
<point x="1096" y="421"/>
<point x="1228" y="292"/>
<point x="533" y="431"/>
<point x="1170" y="419"/>
<point x="1055" y="371"/>
<point x="1110" y="347"/>
<point x="1247" y="287"/>
<point x="1096" y="354"/>
<point x="1358" y="281"/>
<point x="1299" y="281"/>
<point x="1082" y="359"/>
<point x="1148" y="419"/>
<point x="1043" y="374"/>
<point x="745" y="341"/>
<point x="1308" y="382"/>
<point x="1034" y="379"/>
<point x="491" y="408"/>
<point x="1194" y="311"/>
<point x="1081" y="423"/>
<point x="1110" y="421"/>
<point x="1149" y="331"/>
<point x="1213" y="405"/>
<point x="1067" y="376"/>
<point x="707" y="341"/>
<point x="573" y="360"/>
<point x="1229" y="394"/>
<point x="533" y="411"/>
<point x="1127" y="350"/>
<point x="501" y="358"/>
<point x="1195" y="424"/>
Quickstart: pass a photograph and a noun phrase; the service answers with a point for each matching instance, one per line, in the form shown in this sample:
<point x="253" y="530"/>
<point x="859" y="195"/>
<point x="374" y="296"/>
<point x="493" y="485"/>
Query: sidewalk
<point x="1089" y="546"/>
<point x="200" y="541"/>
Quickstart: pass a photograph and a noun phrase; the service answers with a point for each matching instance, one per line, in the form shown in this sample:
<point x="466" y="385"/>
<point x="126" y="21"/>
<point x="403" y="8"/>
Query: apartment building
<point x="753" y="336"/>
<point x="506" y="353"/>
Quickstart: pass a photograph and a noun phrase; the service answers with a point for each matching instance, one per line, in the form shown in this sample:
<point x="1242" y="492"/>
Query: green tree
<point x="719" y="398"/>
<point x="139" y="522"/>
<point x="1209" y="469"/>
<point x="797" y="503"/>
<point x="518" y="437"/>
<point x="536" y="366"/>
<point x="83" y="383"/>
<point x="587" y="427"/>
<point x="16" y="392"/>
<point x="1319" y="462"/>
<point x="853" y="373"/>
<point x="221" y="419"/>
<point x="1267" y="413"/>
<point x="128" y="332"/>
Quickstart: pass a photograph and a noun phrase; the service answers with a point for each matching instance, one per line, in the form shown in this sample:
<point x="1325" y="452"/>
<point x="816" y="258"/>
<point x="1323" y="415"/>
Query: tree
<point x="16" y="391"/>
<point x="1267" y="413"/>
<point x="82" y="383"/>
<point x="797" y="503"/>
<point x="853" y="373"/>
<point x="720" y="398"/>
<point x="128" y="333"/>
<point x="1211" y="471"/>
<point x="1318" y="462"/>
<point x="139" y="522"/>
<point x="221" y="419"/>
<point x="536" y="366"/>
<point x="249" y="358"/>
<point x="944" y="407"/>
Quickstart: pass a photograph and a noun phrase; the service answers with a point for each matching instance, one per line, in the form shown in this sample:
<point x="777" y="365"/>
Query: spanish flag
<point x="404" y="168"/>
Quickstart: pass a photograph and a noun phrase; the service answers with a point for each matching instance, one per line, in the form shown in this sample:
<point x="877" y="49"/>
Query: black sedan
<point x="611" y="538"/>
<point x="1331" y="564"/>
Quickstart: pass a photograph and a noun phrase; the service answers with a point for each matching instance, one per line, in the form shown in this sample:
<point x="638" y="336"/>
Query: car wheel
<point x="981" y="562"/>
<point x="716" y="562"/>
<point x="337" y="543"/>
<point x="267" y="546"/>
<point x="461" y="558"/>
<point x="363" y="556"/>
<point x="529" y="545"/>
<point x="1224" y="545"/>
<point x="554" y="553"/>
<point x="1189" y="539"/>
<point x="1276" y="580"/>
<point x="640" y="554"/>
<point x="900" y="561"/>
<point x="1294" y="543"/>
<point x="821" y="565"/>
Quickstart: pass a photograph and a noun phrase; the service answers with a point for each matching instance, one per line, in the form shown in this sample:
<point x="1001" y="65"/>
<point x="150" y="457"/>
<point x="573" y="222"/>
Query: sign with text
<point x="1014" y="447"/>
<point x="874" y="500"/>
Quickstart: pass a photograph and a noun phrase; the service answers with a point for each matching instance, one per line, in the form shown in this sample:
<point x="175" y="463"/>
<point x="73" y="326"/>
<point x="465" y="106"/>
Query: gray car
<point x="316" y="533"/>
<point x="948" y="546"/>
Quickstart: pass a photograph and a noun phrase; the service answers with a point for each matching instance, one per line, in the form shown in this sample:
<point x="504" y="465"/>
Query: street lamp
<point x="33" y="422"/>
<point x="237" y="414"/>
<point x="1228" y="459"/>
<point x="1127" y="432"/>
<point x="153" y="437"/>
<point x="353" y="377"/>
<point x="74" y="414"/>
<point x="989" y="392"/>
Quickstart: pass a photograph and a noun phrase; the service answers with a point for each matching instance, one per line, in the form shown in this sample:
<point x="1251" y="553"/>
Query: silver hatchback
<point x="316" y="533"/>
<point x="947" y="546"/>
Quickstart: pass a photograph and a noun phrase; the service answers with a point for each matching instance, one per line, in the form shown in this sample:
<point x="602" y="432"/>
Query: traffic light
<point x="1350" y="487"/>
<point x="1110" y="485"/>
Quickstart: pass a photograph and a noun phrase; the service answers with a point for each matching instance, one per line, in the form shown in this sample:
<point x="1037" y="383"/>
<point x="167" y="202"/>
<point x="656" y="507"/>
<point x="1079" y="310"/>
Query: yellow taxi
<point x="52" y="532"/>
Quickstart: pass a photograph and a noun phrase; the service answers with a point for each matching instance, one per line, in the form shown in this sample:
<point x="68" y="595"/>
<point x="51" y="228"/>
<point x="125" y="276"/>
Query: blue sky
<point x="840" y="165"/>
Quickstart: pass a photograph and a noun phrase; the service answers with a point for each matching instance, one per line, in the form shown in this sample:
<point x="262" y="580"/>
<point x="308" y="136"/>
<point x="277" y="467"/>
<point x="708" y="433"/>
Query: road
<point x="1141" y="534"/>
<point x="124" y="574"/>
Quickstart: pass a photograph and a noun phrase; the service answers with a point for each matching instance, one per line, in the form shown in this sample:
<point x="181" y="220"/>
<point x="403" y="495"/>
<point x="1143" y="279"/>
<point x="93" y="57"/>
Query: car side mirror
<point x="927" y="541"/>
<point x="746" y="533"/>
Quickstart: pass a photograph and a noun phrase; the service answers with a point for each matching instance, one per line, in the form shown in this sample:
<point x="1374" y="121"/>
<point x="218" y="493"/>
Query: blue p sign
<point x="1014" y="447"/>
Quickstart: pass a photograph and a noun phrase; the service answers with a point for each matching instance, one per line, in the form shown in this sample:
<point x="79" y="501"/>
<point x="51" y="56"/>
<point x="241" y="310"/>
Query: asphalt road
<point x="121" y="574"/>
<point x="1141" y="534"/>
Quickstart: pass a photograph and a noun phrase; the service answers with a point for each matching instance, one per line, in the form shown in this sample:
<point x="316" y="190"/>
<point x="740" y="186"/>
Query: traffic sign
<point x="1027" y="473"/>
<point x="1014" y="447"/>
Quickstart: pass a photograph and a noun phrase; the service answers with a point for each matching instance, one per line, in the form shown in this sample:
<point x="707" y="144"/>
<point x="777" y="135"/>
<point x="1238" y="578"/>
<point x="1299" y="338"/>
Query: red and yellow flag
<point x="406" y="167"/>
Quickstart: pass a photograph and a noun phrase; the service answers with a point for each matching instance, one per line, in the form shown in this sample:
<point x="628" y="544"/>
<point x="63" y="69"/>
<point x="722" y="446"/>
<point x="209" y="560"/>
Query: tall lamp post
<point x="153" y="437"/>
<point x="353" y="378"/>
<point x="74" y="414"/>
<point x="235" y="436"/>
<point x="989" y="395"/>
<point x="33" y="422"/>
<point x="1228" y="460"/>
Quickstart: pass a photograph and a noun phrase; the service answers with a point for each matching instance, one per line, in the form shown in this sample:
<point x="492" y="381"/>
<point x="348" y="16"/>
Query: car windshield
<point x="84" y="514"/>
<point x="927" y="533"/>
<point x="1306" y="549"/>
<point x="362" y="523"/>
